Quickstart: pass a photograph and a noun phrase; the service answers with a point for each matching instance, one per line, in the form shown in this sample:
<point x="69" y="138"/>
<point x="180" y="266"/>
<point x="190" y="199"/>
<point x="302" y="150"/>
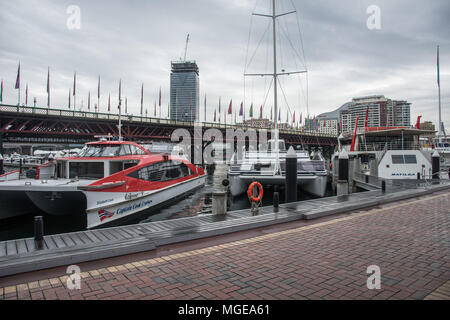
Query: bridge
<point x="24" y="125"/>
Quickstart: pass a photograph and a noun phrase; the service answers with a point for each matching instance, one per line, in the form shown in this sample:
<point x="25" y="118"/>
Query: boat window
<point x="410" y="159"/>
<point x="162" y="171"/>
<point x="398" y="159"/>
<point x="312" y="165"/>
<point x="86" y="170"/>
<point x="125" y="150"/>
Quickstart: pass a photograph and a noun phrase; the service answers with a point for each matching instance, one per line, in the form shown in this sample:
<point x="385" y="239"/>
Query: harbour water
<point x="197" y="203"/>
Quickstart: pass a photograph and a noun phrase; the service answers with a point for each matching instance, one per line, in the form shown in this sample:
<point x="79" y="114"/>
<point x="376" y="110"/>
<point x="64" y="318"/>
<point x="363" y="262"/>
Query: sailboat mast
<point x="275" y="85"/>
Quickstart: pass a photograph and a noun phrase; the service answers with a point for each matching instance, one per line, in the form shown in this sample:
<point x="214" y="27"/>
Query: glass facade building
<point x="184" y="91"/>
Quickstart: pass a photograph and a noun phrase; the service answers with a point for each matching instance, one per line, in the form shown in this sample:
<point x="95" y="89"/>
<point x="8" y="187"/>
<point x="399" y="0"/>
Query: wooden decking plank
<point x="123" y="234"/>
<point x="76" y="238"/>
<point x="99" y="235"/>
<point x="108" y="237"/>
<point x="84" y="237"/>
<point x="3" y="249"/>
<point x="111" y="235"/>
<point x="11" y="248"/>
<point x="91" y="236"/>
<point x="67" y="240"/>
<point x="30" y="244"/>
<point x="133" y="231"/>
<point x="21" y="246"/>
<point x="58" y="241"/>
<point x="50" y="243"/>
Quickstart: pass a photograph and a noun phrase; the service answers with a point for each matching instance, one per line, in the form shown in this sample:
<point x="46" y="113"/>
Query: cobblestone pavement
<point x="409" y="241"/>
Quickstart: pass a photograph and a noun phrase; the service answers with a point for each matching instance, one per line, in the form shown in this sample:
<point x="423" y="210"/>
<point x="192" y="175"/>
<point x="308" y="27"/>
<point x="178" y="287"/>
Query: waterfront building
<point x="184" y="91"/>
<point x="259" y="123"/>
<point x="383" y="112"/>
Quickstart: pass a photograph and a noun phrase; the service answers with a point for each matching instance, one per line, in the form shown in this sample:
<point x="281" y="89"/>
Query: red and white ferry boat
<point x="107" y="181"/>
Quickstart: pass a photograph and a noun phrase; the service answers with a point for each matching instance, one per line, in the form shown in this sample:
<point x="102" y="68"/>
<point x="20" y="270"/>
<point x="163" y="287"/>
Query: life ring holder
<point x="250" y="195"/>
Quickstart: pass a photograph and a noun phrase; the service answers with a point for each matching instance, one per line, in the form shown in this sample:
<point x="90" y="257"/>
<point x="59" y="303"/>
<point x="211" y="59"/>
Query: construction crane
<point x="185" y="49"/>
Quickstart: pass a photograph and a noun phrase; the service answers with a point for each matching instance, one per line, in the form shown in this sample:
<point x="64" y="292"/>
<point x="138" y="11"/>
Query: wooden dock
<point x="19" y="256"/>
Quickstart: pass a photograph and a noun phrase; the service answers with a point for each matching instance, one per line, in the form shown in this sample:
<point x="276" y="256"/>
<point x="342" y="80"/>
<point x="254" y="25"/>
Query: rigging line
<point x="267" y="95"/>
<point x="285" y="31"/>
<point x="285" y="99"/>
<point x="257" y="47"/>
<point x="249" y="36"/>
<point x="286" y="34"/>
<point x="301" y="38"/>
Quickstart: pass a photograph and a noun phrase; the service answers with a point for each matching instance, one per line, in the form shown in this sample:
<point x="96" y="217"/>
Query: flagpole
<point x="440" y="133"/>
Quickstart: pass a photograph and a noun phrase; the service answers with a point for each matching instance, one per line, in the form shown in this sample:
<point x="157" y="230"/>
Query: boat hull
<point x="14" y="204"/>
<point x="313" y="184"/>
<point x="133" y="203"/>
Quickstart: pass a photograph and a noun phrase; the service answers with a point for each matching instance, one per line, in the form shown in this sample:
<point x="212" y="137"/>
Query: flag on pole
<point x="230" y="107"/>
<point x="251" y="111"/>
<point x="293" y="118"/>
<point x="74" y="83"/>
<point x="109" y="102"/>
<point x="271" y="113"/>
<point x="1" y="92"/>
<point x="219" y="110"/>
<point x="287" y="116"/>
<point x="301" y="116"/>
<point x="126" y="105"/>
<point x="26" y="95"/>
<point x="98" y="89"/>
<point x="89" y="100"/>
<point x="18" y="78"/>
<point x="205" y="107"/>
<point x="69" y="97"/>
<point x="160" y="97"/>
<point x="241" y="111"/>
<point x="142" y="100"/>
<point x="120" y="91"/>
<point x="279" y="114"/>
<point x="48" y="88"/>
<point x="438" y="75"/>
<point x="260" y="112"/>
<point x="215" y="115"/>
<point x="367" y="118"/>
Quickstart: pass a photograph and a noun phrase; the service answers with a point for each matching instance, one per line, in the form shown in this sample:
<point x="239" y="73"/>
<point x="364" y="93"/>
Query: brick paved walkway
<point x="409" y="241"/>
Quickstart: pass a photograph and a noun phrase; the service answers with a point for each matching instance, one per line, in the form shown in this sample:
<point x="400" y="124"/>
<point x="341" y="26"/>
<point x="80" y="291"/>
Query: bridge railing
<point x="142" y="119"/>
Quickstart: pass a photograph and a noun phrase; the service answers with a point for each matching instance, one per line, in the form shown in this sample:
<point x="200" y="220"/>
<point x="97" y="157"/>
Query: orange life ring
<point x="250" y="192"/>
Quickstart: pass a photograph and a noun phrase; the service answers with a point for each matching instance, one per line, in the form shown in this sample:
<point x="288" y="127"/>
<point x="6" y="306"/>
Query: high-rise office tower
<point x="184" y="91"/>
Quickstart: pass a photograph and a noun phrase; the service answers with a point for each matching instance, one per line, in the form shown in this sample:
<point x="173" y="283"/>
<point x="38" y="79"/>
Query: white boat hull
<point x="313" y="184"/>
<point x="101" y="210"/>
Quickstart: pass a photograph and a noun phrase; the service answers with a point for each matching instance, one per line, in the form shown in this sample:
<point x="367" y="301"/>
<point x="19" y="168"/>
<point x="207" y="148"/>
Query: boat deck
<point x="18" y="256"/>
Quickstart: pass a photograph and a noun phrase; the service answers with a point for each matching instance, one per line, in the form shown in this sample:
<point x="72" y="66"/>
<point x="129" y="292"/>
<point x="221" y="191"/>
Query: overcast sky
<point x="136" y="40"/>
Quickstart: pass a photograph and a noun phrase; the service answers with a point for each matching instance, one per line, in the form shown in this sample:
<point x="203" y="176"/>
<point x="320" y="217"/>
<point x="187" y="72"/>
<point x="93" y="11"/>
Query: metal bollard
<point x="38" y="233"/>
<point x="276" y="202"/>
<point x="418" y="175"/>
<point x="291" y="176"/>
<point x="383" y="186"/>
<point x="342" y="183"/>
<point x="436" y="170"/>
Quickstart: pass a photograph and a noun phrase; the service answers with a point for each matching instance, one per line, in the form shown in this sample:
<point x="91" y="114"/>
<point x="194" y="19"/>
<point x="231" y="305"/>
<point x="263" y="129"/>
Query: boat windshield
<point x="114" y="150"/>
